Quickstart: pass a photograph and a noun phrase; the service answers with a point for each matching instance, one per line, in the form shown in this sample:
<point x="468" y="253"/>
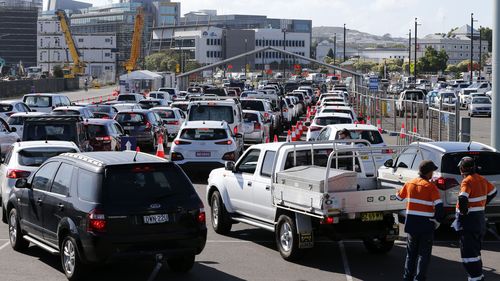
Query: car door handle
<point x="39" y="201"/>
<point x="249" y="183"/>
<point x="268" y="187"/>
<point x="60" y="206"/>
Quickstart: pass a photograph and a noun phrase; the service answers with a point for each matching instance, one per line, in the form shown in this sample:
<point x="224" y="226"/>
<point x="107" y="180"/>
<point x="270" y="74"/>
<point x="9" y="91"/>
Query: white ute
<point x="282" y="188"/>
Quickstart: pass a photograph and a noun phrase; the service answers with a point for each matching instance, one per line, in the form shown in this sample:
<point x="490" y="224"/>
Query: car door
<point x="56" y="205"/>
<point x="262" y="199"/>
<point x="239" y="185"/>
<point x="6" y="136"/>
<point x="399" y="173"/>
<point x="32" y="207"/>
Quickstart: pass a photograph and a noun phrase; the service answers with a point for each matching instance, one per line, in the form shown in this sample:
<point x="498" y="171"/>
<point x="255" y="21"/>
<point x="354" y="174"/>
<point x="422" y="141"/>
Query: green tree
<point x="57" y="71"/>
<point x="191" y="65"/>
<point x="463" y="66"/>
<point x="487" y="34"/>
<point x="433" y="61"/>
<point x="162" y="61"/>
<point x="330" y="53"/>
<point x="364" y="66"/>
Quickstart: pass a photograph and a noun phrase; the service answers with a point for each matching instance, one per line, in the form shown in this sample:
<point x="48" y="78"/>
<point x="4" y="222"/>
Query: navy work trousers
<point x="418" y="255"/>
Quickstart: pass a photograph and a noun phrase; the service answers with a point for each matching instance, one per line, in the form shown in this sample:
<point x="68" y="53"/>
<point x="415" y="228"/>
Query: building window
<point x="107" y="40"/>
<point x="208" y="42"/>
<point x="107" y="55"/>
<point x="80" y="40"/>
<point x="208" y="54"/>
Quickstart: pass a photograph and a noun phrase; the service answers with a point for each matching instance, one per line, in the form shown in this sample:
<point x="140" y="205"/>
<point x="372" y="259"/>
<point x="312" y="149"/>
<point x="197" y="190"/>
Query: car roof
<point x="164" y="108"/>
<point x="339" y="107"/>
<point x="49" y="143"/>
<point x="205" y="124"/>
<point x="27" y="114"/>
<point x="135" y="111"/>
<point x="450" y="147"/>
<point x="99" y="121"/>
<point x="69" y="107"/>
<point x="333" y="114"/>
<point x="99" y="160"/>
<point x="251" y="111"/>
<point x="10" y="101"/>
<point x="124" y="104"/>
<point x="44" y="94"/>
<point x="353" y="127"/>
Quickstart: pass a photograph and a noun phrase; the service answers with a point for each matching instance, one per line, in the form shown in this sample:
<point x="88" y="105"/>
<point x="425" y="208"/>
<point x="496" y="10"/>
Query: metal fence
<point x="18" y="88"/>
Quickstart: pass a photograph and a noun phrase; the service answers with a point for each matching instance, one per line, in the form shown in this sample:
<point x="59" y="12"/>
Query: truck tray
<point x="312" y="178"/>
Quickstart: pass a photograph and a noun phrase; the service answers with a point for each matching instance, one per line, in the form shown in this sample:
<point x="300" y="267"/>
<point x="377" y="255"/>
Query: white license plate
<point x="203" y="154"/>
<point x="128" y="127"/>
<point x="156" y="219"/>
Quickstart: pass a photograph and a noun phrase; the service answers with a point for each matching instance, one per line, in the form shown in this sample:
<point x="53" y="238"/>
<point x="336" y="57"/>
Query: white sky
<point x="372" y="16"/>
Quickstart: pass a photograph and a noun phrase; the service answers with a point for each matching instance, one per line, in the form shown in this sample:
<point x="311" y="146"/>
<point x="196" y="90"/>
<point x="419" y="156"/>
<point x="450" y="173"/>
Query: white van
<point x="45" y="102"/>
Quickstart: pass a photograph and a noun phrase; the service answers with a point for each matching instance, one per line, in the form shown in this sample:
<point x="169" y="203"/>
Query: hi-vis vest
<point x="421" y="196"/>
<point x="476" y="188"/>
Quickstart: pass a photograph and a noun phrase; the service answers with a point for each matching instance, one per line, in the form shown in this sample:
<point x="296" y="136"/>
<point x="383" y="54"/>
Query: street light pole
<point x="246" y="41"/>
<point x="480" y="49"/>
<point x="409" y="53"/>
<point x="284" y="55"/>
<point x="471" y="45"/>
<point x="415" y="66"/>
<point x="334" y="48"/>
<point x="344" y="43"/>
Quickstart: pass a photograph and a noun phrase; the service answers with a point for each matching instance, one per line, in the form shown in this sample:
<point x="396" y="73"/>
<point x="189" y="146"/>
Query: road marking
<point x="344" y="260"/>
<point x="4" y="245"/>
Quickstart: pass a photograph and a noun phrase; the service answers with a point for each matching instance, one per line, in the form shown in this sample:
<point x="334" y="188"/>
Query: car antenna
<point x="468" y="147"/>
<point x="135" y="156"/>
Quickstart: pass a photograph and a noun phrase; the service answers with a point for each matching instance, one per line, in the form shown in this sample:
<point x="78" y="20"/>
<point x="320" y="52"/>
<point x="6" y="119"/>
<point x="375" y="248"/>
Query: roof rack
<point x="84" y="158"/>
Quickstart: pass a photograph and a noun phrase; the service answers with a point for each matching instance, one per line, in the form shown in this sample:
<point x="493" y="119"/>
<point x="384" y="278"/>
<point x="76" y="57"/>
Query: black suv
<point x="145" y="125"/>
<point x="60" y="128"/>
<point x="96" y="207"/>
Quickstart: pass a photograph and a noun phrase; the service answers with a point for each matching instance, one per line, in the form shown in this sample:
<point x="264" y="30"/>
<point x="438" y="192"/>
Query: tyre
<point x="15" y="235"/>
<point x="221" y="221"/>
<point x="72" y="266"/>
<point x="181" y="264"/>
<point x="378" y="246"/>
<point x="287" y="239"/>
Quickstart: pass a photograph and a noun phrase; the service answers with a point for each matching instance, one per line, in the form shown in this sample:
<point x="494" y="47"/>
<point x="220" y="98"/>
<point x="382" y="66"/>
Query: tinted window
<point x="486" y="162"/>
<point x="323" y="121"/>
<point x="35" y="157"/>
<point x="88" y="185"/>
<point x="5" y="107"/>
<point x="252" y="105"/>
<point x="249" y="163"/>
<point x="373" y="137"/>
<point x="215" y="91"/>
<point x="95" y="108"/>
<point x="126" y="98"/>
<point x="481" y="101"/>
<point x="65" y="112"/>
<point x="250" y="117"/>
<point x="43" y="177"/>
<point x="157" y="95"/>
<point x="203" y="134"/>
<point x="211" y="113"/>
<point x="267" y="165"/>
<point x="15" y="120"/>
<point x="38" y="101"/>
<point x="344" y="160"/>
<point x="62" y="181"/>
<point x="130" y="118"/>
<point x="181" y="106"/>
<point x="63" y="132"/>
<point x="405" y="159"/>
<point x="143" y="184"/>
<point x="96" y="130"/>
<point x="166" y="114"/>
<point x="147" y="104"/>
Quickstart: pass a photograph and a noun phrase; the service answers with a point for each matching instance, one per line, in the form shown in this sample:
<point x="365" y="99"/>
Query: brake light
<point x="176" y="156"/>
<point x="17" y="174"/>
<point x="446" y="183"/>
<point x="229" y="156"/>
<point x="202" y="218"/>
<point x="314" y="128"/>
<point x="148" y="125"/>
<point x="387" y="151"/>
<point x="96" y="221"/>
<point x="173" y="122"/>
<point x="104" y="139"/>
<point x="181" y="142"/>
<point x="226" y="142"/>
<point x="328" y="220"/>
<point x="256" y="126"/>
<point x="235" y="130"/>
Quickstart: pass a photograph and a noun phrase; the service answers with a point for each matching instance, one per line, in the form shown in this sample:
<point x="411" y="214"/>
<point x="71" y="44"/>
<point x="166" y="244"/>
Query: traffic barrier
<point x="267" y="139"/>
<point x="289" y="136"/>
<point x="294" y="134"/>
<point x="379" y="126"/>
<point x="297" y="131"/>
<point x="159" y="150"/>
<point x="276" y="137"/>
<point x="402" y="133"/>
<point x="301" y="129"/>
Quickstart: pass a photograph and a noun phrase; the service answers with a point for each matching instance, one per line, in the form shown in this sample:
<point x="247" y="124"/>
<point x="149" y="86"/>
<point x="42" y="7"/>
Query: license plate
<point x="156" y="219"/>
<point x="203" y="154"/>
<point x="128" y="127"/>
<point x="374" y="216"/>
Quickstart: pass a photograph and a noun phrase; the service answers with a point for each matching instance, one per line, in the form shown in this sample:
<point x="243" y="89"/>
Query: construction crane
<point x="78" y="66"/>
<point x="135" y="52"/>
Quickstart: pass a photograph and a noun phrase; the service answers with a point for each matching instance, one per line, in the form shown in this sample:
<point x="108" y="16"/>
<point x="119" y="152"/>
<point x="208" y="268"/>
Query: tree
<point x="57" y="71"/>
<point x="433" y="61"/>
<point x="162" y="61"/>
<point x="487" y="35"/>
<point x="330" y="53"/>
<point x="191" y="65"/>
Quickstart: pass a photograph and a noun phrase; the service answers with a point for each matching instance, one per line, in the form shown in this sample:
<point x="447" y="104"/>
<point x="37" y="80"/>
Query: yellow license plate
<point x="374" y="216"/>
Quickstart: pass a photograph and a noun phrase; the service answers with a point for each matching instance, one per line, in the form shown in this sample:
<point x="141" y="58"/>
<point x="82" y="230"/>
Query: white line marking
<point x="346" y="263"/>
<point x="4" y="245"/>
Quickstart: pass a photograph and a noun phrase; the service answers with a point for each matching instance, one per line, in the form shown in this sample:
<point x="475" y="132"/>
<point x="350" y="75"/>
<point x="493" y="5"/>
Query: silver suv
<point x="446" y="155"/>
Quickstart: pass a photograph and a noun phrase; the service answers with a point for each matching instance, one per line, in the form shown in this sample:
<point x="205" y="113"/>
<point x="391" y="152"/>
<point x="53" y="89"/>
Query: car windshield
<point x="481" y="100"/>
<point x="127" y="117"/>
<point x="4" y="107"/>
<point x="252" y="105"/>
<point x="126" y="98"/>
<point x="95" y="108"/>
<point x="18" y="120"/>
<point x="95" y="130"/>
<point x="142" y="184"/>
<point x="38" y="131"/>
<point x="166" y="114"/>
<point x="250" y="117"/>
<point x="485" y="161"/>
<point x="65" y="112"/>
<point x="203" y="134"/>
<point x="34" y="157"/>
<point x="211" y="113"/>
<point x="181" y="106"/>
<point x="37" y="101"/>
<point x="373" y="137"/>
<point x="323" y="121"/>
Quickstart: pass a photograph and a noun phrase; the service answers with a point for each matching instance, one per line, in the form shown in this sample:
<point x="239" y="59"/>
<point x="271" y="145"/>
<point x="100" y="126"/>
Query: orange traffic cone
<point x="379" y="126"/>
<point x="267" y="139"/>
<point x="276" y="138"/>
<point x="138" y="149"/>
<point x="297" y="132"/>
<point x="402" y="133"/>
<point x="294" y="134"/>
<point x="301" y="129"/>
<point x="159" y="149"/>
<point x="415" y="130"/>
<point x="289" y="136"/>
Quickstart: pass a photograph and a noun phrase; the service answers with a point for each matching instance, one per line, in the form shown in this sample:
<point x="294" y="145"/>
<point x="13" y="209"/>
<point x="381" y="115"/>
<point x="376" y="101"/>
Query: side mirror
<point x="307" y="124"/>
<point x="22" y="183"/>
<point x="402" y="165"/>
<point x="389" y="163"/>
<point x="229" y="166"/>
<point x="291" y="106"/>
<point x="238" y="136"/>
<point x="13" y="129"/>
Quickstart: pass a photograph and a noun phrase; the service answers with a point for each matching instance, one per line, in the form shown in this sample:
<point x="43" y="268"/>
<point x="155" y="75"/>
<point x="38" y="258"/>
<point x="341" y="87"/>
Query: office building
<point x="70" y="5"/>
<point x="374" y="54"/>
<point x="38" y="4"/>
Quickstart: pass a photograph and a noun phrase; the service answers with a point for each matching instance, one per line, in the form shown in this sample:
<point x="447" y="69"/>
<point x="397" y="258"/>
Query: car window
<point x="267" y="164"/>
<point x="96" y="130"/>
<point x="249" y="163"/>
<point x="36" y="156"/>
<point x="42" y="178"/>
<point x="57" y="101"/>
<point x="405" y="159"/>
<point x="324" y="134"/>
<point x="211" y="113"/>
<point x="203" y="134"/>
<point x="38" y="101"/>
<point x="62" y="181"/>
<point x="8" y="155"/>
<point x="3" y="126"/>
<point x="119" y="129"/>
<point x="65" y="100"/>
<point x="88" y="185"/>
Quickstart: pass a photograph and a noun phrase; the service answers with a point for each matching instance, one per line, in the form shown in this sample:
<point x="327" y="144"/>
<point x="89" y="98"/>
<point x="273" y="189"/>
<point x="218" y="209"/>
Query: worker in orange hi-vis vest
<point x="424" y="212"/>
<point x="475" y="193"/>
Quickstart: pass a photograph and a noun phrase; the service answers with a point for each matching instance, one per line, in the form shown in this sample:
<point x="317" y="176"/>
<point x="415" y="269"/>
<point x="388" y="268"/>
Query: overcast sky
<point x="372" y="16"/>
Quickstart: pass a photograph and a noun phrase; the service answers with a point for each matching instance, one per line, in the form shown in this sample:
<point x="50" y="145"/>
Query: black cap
<point x="426" y="166"/>
<point x="466" y="162"/>
<point x="345" y="132"/>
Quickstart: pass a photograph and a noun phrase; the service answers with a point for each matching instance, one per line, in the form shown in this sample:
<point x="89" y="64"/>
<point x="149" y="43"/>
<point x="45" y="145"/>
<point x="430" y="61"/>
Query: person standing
<point x="475" y="193"/>
<point x="424" y="212"/>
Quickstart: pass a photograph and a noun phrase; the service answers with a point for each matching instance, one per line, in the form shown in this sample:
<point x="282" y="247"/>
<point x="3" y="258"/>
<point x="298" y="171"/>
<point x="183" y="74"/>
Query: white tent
<point x="140" y="80"/>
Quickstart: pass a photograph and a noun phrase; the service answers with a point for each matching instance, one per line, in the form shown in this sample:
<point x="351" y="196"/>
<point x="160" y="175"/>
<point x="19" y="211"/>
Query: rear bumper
<point x="357" y="229"/>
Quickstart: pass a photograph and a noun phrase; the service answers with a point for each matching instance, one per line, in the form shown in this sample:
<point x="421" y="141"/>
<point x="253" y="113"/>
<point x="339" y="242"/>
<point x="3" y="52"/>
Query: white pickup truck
<point x="285" y="188"/>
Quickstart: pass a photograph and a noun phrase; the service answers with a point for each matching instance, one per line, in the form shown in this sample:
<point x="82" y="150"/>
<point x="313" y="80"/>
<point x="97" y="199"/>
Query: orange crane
<point x="78" y="67"/>
<point x="135" y="52"/>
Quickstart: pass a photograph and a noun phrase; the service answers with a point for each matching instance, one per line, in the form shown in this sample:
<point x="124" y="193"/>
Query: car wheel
<point x="72" y="266"/>
<point x="287" y="239"/>
<point x="15" y="235"/>
<point x="181" y="264"/>
<point x="378" y="246"/>
<point x="221" y="221"/>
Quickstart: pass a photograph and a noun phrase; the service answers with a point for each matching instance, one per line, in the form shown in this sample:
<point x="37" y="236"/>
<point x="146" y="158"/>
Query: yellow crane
<point x="135" y="51"/>
<point x="78" y="66"/>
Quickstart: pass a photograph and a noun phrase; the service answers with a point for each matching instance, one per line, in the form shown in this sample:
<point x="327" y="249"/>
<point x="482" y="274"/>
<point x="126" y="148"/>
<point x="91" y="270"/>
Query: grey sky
<point x="372" y="16"/>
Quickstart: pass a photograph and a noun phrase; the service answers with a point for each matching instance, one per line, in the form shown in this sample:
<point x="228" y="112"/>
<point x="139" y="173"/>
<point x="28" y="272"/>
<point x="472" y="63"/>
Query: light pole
<point x="480" y="49"/>
<point x="471" y="45"/>
<point x="284" y="55"/>
<point x="344" y="43"/>
<point x="409" y="53"/>
<point x="246" y="41"/>
<point x="415" y="66"/>
<point x="334" y="48"/>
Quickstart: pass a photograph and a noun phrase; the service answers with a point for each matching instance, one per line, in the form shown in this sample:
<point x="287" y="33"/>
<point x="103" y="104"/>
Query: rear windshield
<point x="485" y="161"/>
<point x="5" y="107"/>
<point x="34" y="157"/>
<point x="373" y="137"/>
<point x="323" y="121"/>
<point x="140" y="185"/>
<point x="38" y="101"/>
<point x="211" y="113"/>
<point x="130" y="118"/>
<point x="447" y="95"/>
<point x="481" y="100"/>
<point x="303" y="158"/>
<point x="126" y="98"/>
<point x="37" y="131"/>
<point x="166" y="114"/>
<point x="417" y="95"/>
<point x="149" y="104"/>
<point x="95" y="130"/>
<point x="203" y="134"/>
<point x="215" y="91"/>
<point x="157" y="96"/>
<point x="252" y="105"/>
<point x="65" y="112"/>
<point x="181" y="106"/>
<point x="103" y="109"/>
<point x="250" y="117"/>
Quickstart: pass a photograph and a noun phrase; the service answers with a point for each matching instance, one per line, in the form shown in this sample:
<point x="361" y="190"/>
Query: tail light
<point x="446" y="183"/>
<point x="387" y="151"/>
<point x="256" y="126"/>
<point x="96" y="221"/>
<point x="314" y="128"/>
<point x="235" y="130"/>
<point x="181" y="142"/>
<point x="148" y="125"/>
<point x="226" y="142"/>
<point x="201" y="218"/>
<point x="105" y="139"/>
<point x="266" y="115"/>
<point x="105" y="117"/>
<point x="17" y="174"/>
<point x="329" y="220"/>
<point x="229" y="156"/>
<point x="173" y="122"/>
<point x="176" y="156"/>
